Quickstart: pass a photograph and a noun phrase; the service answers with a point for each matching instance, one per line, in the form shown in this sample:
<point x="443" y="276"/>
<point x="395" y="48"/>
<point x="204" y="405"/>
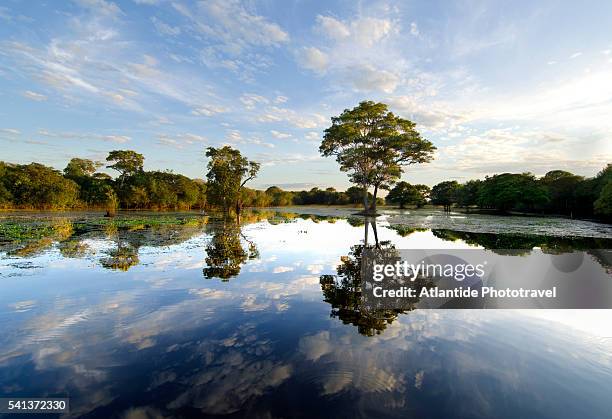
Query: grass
<point x="27" y="230"/>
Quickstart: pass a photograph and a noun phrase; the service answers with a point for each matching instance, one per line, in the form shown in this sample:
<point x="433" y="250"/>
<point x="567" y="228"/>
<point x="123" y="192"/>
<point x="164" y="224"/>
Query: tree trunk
<point x="365" y="199"/>
<point x="372" y="209"/>
<point x="377" y="244"/>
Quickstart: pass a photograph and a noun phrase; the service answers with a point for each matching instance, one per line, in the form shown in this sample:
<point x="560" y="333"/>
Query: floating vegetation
<point x="122" y="258"/>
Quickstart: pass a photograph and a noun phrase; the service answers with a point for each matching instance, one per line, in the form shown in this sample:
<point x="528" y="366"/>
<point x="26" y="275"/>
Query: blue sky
<point x="507" y="86"/>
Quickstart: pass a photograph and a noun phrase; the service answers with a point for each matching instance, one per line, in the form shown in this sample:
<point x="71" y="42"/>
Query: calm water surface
<point x="211" y="318"/>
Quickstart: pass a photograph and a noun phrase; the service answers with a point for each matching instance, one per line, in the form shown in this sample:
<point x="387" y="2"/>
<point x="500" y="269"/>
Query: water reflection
<point x="228" y="248"/>
<point x="158" y="340"/>
<point x="225" y="253"/>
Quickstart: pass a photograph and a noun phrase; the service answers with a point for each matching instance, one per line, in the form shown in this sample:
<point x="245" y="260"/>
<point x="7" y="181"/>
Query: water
<point x="209" y="318"/>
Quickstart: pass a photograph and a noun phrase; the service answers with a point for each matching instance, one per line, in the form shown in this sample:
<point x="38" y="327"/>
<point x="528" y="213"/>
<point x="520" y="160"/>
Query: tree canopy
<point x="444" y="193"/>
<point x="372" y="144"/>
<point x="126" y="162"/>
<point x="403" y="193"/>
<point x="228" y="172"/>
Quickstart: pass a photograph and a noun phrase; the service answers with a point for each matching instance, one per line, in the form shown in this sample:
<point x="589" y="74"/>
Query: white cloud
<point x="233" y="136"/>
<point x="280" y="135"/>
<point x="315" y="268"/>
<point x="414" y="29"/>
<point x="274" y="159"/>
<point x="209" y="110"/>
<point x="365" y="31"/>
<point x="332" y="28"/>
<point x="282" y="269"/>
<point x="507" y="150"/>
<point x="313" y="59"/>
<point x="251" y="100"/>
<point x="297" y="119"/>
<point x="368" y="31"/>
<point x="430" y="115"/>
<point x="575" y="55"/>
<point x="362" y="53"/>
<point x="313" y="136"/>
<point x="234" y="28"/>
<point x="368" y="78"/>
<point x="180" y="141"/>
<point x="164" y="28"/>
<point x="38" y="97"/>
<point x="101" y="7"/>
<point x="113" y="138"/>
<point x="281" y="99"/>
<point x="10" y="131"/>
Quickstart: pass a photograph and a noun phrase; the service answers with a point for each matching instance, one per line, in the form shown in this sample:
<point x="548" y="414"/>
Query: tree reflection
<point x="122" y="258"/>
<point x="521" y="244"/>
<point x="343" y="290"/>
<point x="225" y="253"/>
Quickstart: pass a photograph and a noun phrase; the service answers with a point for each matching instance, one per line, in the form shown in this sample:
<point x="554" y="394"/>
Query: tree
<point x="444" y="194"/>
<point x="78" y="168"/>
<point x="37" y="186"/>
<point x="228" y="172"/>
<point x="603" y="204"/>
<point x="512" y="191"/>
<point x="93" y="187"/>
<point x="561" y="186"/>
<point x="404" y="193"/>
<point x="372" y="144"/>
<point x="467" y="194"/>
<point x="225" y="253"/>
<point x="126" y="162"/>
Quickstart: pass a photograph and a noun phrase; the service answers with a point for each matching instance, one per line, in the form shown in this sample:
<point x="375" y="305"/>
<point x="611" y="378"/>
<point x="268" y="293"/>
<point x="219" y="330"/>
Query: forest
<point x="81" y="186"/>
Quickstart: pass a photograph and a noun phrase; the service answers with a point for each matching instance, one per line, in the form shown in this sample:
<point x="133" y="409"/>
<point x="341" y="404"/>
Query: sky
<point x="498" y="87"/>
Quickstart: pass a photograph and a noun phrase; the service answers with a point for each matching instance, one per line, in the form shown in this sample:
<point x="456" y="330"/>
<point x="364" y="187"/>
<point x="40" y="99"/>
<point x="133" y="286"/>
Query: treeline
<point x="35" y="186"/>
<point x="557" y="192"/>
<point x="276" y="197"/>
<point x="81" y="186"/>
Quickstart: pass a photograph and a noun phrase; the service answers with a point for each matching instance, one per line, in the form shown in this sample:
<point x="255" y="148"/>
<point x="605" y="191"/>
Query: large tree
<point x="126" y="162"/>
<point x="404" y="193"/>
<point x="372" y="144"/>
<point x="603" y="204"/>
<point x="78" y="168"/>
<point x="561" y="186"/>
<point x="508" y="191"/>
<point x="228" y="172"/>
<point x="445" y="194"/>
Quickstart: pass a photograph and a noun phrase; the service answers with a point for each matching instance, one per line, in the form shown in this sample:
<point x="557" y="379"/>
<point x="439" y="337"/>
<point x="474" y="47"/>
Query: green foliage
<point x="278" y="197"/>
<point x="126" y="162"/>
<point x="561" y="186"/>
<point x="36" y="186"/>
<point x="512" y="191"/>
<point x="603" y="204"/>
<point x="79" y="168"/>
<point x="372" y="144"/>
<point x="403" y="193"/>
<point x="444" y="193"/>
<point x="467" y="194"/>
<point x="225" y="253"/>
<point x="228" y="171"/>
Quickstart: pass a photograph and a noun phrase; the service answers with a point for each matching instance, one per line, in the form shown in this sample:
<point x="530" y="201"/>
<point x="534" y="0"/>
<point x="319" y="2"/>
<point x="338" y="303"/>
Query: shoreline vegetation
<point x="228" y="246"/>
<point x="371" y="144"/>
